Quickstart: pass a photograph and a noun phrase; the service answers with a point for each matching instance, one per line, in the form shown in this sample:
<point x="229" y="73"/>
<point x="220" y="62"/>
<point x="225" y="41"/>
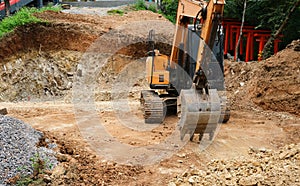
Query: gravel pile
<point x="265" y="167"/>
<point x="18" y="150"/>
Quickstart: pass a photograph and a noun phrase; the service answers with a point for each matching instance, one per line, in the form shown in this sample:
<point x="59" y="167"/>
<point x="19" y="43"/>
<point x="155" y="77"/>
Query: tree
<point x="270" y="41"/>
<point x="263" y="14"/>
<point x="7" y="7"/>
<point x="169" y="8"/>
<point x="268" y="14"/>
<point x="241" y="31"/>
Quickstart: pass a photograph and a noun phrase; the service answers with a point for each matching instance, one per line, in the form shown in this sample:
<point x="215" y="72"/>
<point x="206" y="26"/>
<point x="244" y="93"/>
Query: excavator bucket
<point x="200" y="113"/>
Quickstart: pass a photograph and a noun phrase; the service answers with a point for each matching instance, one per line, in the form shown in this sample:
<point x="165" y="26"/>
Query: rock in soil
<point x="3" y="111"/>
<point x="265" y="167"/>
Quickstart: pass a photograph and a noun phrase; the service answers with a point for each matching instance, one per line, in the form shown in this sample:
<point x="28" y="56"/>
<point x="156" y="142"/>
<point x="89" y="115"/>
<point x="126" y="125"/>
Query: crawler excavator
<point x="192" y="78"/>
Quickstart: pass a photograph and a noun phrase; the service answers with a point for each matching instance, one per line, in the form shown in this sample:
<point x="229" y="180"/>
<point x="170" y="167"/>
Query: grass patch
<point x="39" y="166"/>
<point x="153" y="8"/>
<point x="50" y="7"/>
<point x="116" y="11"/>
<point x="22" y="17"/>
<point x="142" y="5"/>
<point x="30" y="181"/>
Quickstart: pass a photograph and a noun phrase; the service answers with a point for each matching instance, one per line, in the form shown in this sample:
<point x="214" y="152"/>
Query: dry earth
<point x="37" y="70"/>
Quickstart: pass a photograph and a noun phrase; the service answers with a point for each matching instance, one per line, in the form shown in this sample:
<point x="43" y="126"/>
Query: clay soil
<point x="264" y="97"/>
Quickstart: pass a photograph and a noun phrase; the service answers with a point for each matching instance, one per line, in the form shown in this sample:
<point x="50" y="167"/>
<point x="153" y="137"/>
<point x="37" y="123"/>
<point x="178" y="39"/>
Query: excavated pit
<point x="41" y="61"/>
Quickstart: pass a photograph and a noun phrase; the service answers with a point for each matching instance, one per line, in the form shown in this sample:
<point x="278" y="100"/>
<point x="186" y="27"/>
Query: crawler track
<point x="154" y="108"/>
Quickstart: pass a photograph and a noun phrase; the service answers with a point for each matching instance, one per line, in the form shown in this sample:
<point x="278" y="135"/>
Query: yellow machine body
<point x="156" y="73"/>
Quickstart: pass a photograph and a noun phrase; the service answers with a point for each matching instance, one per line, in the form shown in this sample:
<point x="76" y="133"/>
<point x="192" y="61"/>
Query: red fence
<point x="251" y="35"/>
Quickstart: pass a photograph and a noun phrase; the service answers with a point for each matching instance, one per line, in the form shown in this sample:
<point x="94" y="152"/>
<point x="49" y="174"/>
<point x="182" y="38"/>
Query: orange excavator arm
<point x="209" y="13"/>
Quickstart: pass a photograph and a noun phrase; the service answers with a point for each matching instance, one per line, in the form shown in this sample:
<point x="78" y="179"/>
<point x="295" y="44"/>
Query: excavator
<point x="191" y="80"/>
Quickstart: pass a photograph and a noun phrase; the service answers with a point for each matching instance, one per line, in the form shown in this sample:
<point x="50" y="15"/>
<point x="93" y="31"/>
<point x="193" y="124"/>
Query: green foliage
<point x="28" y="180"/>
<point x="169" y="9"/>
<point x="292" y="30"/>
<point x="49" y="7"/>
<point x="267" y="14"/>
<point x="140" y="5"/>
<point x="152" y="7"/>
<point x="38" y="166"/>
<point x="116" y="11"/>
<point x="22" y="17"/>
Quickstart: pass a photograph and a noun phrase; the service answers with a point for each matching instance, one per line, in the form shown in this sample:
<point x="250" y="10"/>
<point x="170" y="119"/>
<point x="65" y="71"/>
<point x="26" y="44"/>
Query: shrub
<point x="22" y="17"/>
<point x="140" y="5"/>
<point x="152" y="7"/>
<point x="116" y="11"/>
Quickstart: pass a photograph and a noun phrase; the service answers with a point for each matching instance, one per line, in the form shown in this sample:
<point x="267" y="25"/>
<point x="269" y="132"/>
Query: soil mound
<point x="80" y="166"/>
<point x="272" y="84"/>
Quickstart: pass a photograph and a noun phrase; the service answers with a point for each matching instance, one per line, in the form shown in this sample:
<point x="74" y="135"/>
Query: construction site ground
<point x="264" y="98"/>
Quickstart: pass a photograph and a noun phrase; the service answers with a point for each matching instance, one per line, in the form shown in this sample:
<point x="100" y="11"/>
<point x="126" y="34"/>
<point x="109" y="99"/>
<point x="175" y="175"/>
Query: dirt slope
<point x="65" y="32"/>
<point x="272" y="84"/>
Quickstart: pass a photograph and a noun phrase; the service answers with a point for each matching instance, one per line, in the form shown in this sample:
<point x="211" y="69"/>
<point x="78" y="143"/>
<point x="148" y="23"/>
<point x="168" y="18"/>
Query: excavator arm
<point x="209" y="14"/>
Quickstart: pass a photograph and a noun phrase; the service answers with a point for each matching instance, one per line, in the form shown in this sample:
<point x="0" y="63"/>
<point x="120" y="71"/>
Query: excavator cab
<point x="157" y="76"/>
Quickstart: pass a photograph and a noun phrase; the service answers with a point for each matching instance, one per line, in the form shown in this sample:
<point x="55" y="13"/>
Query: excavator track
<point x="200" y="113"/>
<point x="153" y="107"/>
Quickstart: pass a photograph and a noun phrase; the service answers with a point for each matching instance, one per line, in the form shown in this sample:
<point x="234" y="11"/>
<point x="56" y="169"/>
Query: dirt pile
<point x="265" y="167"/>
<point x="272" y="84"/>
<point x="80" y="166"/>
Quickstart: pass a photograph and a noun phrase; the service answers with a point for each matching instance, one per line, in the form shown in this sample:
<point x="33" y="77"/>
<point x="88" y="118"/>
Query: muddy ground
<point x="38" y="66"/>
